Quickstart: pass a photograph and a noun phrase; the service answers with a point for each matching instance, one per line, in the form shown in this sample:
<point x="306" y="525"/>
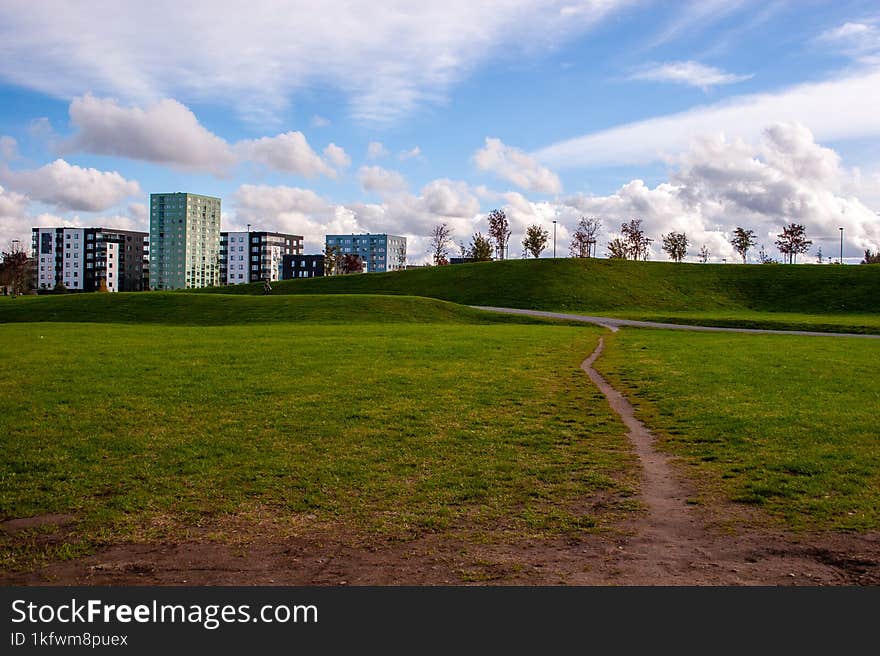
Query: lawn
<point x="787" y="424"/>
<point x="823" y="298"/>
<point x="394" y="429"/>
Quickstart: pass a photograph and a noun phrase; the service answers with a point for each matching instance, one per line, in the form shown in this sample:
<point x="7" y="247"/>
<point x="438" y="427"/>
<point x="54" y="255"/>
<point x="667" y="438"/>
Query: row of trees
<point x="632" y="244"/>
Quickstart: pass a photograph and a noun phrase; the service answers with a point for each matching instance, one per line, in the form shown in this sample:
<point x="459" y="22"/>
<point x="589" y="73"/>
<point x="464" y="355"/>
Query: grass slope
<point x="219" y="310"/>
<point x="143" y="431"/>
<point x="785" y="423"/>
<point x="839" y="298"/>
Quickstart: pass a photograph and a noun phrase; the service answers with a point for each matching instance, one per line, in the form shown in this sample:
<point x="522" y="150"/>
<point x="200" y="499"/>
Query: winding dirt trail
<point x="671" y="545"/>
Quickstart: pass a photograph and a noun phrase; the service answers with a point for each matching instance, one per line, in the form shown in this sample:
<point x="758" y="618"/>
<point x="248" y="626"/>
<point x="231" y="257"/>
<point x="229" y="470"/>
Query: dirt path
<point x="611" y="323"/>
<point x="670" y="545"/>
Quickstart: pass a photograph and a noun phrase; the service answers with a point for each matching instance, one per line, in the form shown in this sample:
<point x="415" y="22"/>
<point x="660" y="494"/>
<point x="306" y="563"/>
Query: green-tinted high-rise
<point x="184" y="241"/>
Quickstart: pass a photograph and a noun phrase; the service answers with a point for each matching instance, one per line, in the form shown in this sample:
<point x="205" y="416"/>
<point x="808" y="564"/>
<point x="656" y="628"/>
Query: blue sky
<point x="391" y="117"/>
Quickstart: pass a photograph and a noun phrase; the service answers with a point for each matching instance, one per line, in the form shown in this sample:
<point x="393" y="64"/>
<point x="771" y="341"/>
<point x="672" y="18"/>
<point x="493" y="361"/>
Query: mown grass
<point x="825" y="296"/>
<point x="787" y="424"/>
<point x="223" y="310"/>
<point x="394" y="429"/>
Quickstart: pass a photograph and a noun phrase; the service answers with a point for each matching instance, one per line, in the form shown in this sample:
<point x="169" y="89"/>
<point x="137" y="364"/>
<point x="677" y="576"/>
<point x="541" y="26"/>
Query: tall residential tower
<point x="184" y="241"/>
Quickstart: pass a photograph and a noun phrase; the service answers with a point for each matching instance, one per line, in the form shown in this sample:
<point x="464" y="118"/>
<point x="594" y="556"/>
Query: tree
<point x="102" y="285"/>
<point x="535" y="240"/>
<point x="499" y="231"/>
<point x="331" y="260"/>
<point x="15" y="270"/>
<point x="401" y="258"/>
<point x="793" y="241"/>
<point x="60" y="288"/>
<point x="742" y="241"/>
<point x="617" y="249"/>
<point x="871" y="258"/>
<point x="480" y="249"/>
<point x="675" y="244"/>
<point x="763" y="258"/>
<point x="636" y="241"/>
<point x="819" y="255"/>
<point x="351" y="263"/>
<point x="584" y="238"/>
<point x="441" y="237"/>
<point x="704" y="254"/>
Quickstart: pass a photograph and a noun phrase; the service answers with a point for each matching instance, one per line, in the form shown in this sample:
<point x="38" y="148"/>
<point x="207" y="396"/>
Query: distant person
<point x="267" y="288"/>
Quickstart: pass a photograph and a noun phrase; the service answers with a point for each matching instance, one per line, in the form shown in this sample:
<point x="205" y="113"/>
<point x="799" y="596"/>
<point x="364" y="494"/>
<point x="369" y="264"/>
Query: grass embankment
<point x="788" y="424"/>
<point x="220" y="310"/>
<point x="813" y="297"/>
<point x="144" y="432"/>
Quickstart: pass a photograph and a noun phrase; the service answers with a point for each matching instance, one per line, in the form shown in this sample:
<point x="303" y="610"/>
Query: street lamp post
<point x="554" y="238"/>
<point x="841" y="244"/>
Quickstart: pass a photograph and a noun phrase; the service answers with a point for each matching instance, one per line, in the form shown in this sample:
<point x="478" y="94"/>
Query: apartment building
<point x="380" y="252"/>
<point x="81" y="258"/>
<point x="184" y="241"/>
<point x="302" y="266"/>
<point x="255" y="256"/>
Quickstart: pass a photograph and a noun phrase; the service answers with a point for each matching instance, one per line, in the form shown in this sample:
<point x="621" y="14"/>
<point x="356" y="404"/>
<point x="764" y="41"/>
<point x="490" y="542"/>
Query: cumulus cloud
<point x="376" y="150"/>
<point x="412" y="153"/>
<point x="720" y="184"/>
<point x="845" y="108"/>
<point x="690" y="73"/>
<point x="71" y="187"/>
<point x="387" y="58"/>
<point x="289" y="152"/>
<point x="337" y="156"/>
<point x="517" y="167"/>
<point x="166" y="132"/>
<point x="378" y="180"/>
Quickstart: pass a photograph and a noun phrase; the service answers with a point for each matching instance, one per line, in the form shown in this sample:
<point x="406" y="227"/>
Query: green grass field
<point x="391" y="429"/>
<point x="787" y="424"/>
<point x="835" y="298"/>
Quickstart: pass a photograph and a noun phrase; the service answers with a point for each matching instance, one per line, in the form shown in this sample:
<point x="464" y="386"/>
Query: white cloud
<point x="138" y="211"/>
<point x="410" y="154"/>
<point x="337" y="156"/>
<point x="319" y="121"/>
<point x="690" y="73"/>
<point x="722" y="184"/>
<point x="376" y="150"/>
<point x="845" y="108"/>
<point x="378" y="180"/>
<point x="70" y="187"/>
<point x="8" y="148"/>
<point x="289" y="152"/>
<point x="517" y="167"/>
<point x="860" y="40"/>
<point x="166" y="132"/>
<point x="387" y="57"/>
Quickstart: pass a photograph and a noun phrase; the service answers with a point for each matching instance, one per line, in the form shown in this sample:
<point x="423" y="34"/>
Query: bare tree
<point x="763" y="258"/>
<point x="499" y="231"/>
<point x="675" y="244"/>
<point x="441" y="237"/>
<point x="704" y="254"/>
<point x="535" y="240"/>
<point x="583" y="241"/>
<point x="617" y="249"/>
<point x="793" y="241"/>
<point x="742" y="241"/>
<point x="634" y="237"/>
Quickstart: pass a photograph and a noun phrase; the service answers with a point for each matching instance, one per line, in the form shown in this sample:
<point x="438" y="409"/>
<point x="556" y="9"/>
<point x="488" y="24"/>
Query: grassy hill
<point x="219" y="310"/>
<point x="607" y="286"/>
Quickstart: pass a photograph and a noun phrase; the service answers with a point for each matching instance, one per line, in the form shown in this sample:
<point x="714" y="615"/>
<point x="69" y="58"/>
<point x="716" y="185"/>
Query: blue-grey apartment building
<point x="380" y="252"/>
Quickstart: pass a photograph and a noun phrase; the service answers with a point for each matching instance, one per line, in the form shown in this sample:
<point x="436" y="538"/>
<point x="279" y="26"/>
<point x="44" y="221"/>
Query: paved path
<point x="613" y="324"/>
